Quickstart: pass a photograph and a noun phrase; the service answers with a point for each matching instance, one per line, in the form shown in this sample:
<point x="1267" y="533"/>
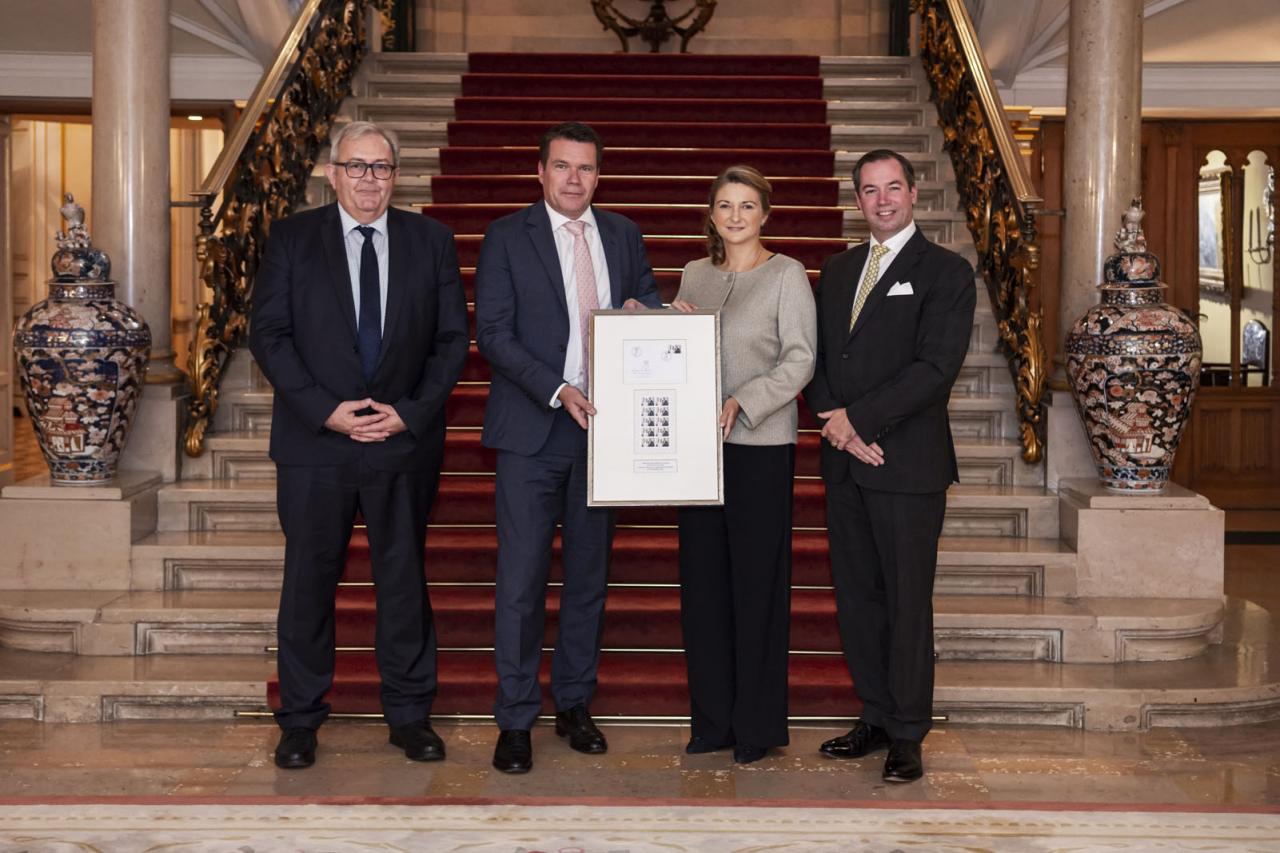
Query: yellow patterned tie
<point x="869" y="279"/>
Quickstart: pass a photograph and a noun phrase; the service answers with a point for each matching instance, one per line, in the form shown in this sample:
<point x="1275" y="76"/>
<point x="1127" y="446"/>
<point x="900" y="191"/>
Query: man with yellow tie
<point x="894" y="320"/>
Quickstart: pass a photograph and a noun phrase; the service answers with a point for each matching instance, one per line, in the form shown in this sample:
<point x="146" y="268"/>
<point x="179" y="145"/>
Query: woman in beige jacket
<point x="735" y="560"/>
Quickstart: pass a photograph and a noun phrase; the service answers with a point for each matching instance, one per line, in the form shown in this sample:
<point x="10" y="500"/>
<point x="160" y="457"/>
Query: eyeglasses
<point x="357" y="169"/>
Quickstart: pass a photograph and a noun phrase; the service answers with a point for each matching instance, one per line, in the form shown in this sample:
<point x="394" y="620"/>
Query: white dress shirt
<point x="574" y="369"/>
<point x="894" y="244"/>
<point x="353" y="240"/>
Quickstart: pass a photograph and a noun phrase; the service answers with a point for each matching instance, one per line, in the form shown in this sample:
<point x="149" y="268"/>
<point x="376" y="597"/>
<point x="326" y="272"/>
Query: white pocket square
<point x="900" y="288"/>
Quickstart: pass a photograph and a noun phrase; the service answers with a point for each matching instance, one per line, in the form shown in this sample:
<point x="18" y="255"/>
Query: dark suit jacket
<point x="893" y="373"/>
<point x="303" y="335"/>
<point x="522" y="317"/>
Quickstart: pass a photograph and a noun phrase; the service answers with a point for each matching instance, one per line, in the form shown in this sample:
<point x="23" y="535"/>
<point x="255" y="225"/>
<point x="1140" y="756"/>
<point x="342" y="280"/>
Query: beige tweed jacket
<point x="768" y="339"/>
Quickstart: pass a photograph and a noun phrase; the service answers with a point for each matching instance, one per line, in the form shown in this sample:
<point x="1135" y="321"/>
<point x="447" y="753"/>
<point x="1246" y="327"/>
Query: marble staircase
<point x="1025" y="632"/>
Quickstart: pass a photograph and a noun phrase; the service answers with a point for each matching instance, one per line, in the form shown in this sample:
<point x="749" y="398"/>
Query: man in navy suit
<point x="895" y="315"/>
<point x="360" y="324"/>
<point x="541" y="271"/>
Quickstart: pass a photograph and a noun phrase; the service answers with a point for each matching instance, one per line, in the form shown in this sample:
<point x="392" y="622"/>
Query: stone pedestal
<point x="74" y="537"/>
<point x="156" y="441"/>
<point x="1067" y="447"/>
<point x="1167" y="545"/>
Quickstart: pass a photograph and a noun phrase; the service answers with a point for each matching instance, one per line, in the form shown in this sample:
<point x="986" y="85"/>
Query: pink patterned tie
<point x="585" y="276"/>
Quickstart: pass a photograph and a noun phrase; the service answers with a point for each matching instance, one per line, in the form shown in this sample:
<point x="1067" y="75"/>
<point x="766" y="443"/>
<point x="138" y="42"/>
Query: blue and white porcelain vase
<point x="1134" y="366"/>
<point x="81" y="357"/>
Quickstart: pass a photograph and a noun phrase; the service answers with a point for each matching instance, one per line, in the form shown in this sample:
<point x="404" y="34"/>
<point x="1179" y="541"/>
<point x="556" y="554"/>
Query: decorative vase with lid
<point x="81" y="357"/>
<point x="1133" y="362"/>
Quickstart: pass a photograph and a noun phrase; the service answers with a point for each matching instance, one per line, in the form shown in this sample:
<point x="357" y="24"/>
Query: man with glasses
<point x="360" y="324"/>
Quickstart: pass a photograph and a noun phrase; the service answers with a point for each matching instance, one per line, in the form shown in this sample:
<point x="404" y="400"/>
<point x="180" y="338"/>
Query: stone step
<point x="401" y="109"/>
<point x="983" y="415"/>
<point x="412" y="85"/>
<point x="869" y="66"/>
<point x="881" y="114"/>
<point x="239" y="560"/>
<point x="966" y="627"/>
<point x="250" y="504"/>
<point x="909" y="139"/>
<point x="418" y="63"/>
<point x="831" y="66"/>
<point x="867" y="88"/>
<point x="244" y="456"/>
<point x="1235" y="682"/>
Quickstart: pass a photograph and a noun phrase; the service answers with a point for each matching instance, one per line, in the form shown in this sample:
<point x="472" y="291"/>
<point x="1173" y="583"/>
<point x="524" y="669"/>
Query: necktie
<point x="588" y="300"/>
<point x="369" y="335"/>
<point x="869" y="279"/>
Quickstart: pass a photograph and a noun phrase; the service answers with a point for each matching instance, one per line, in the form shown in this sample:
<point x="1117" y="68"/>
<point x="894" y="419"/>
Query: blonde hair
<point x="746" y="176"/>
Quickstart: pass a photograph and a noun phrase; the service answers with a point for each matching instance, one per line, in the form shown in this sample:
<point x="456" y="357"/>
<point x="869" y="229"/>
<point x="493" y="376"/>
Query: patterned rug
<point x="362" y="827"/>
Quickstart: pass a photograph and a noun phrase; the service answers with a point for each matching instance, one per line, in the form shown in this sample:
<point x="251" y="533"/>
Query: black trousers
<point x="735" y="599"/>
<point x="533" y="493"/>
<point x="884" y="554"/>
<point x="317" y="506"/>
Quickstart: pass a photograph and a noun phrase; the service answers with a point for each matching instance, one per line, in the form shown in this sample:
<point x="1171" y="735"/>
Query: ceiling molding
<point x="1228" y="86"/>
<point x="203" y="33"/>
<point x="229" y="24"/>
<point x="70" y="75"/>
<point x="1038" y="53"/>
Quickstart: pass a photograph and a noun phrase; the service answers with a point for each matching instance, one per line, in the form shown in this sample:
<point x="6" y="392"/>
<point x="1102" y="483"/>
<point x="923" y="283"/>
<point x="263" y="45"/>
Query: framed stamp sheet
<point x="655" y="383"/>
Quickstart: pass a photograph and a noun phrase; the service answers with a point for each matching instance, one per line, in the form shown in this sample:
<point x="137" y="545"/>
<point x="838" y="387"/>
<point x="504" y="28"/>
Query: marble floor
<point x="214" y="761"/>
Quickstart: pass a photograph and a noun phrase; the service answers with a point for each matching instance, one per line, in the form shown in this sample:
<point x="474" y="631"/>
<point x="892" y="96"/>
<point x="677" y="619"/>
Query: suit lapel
<point x="902" y="263"/>
<point x="335" y="256"/>
<point x="612" y="259"/>
<point x="538" y="225"/>
<point x="398" y="265"/>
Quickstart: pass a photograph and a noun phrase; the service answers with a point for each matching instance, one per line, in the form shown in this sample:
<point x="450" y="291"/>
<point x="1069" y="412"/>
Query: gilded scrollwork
<point x="1001" y="217"/>
<point x="657" y="26"/>
<point x="268" y="182"/>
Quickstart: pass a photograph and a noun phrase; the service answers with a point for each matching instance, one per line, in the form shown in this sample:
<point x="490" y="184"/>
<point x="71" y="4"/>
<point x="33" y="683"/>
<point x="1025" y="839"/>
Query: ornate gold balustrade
<point x="261" y="176"/>
<point x="999" y="200"/>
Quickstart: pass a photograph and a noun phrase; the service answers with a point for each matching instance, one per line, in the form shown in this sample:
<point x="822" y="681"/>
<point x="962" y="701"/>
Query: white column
<point x="1102" y="171"/>
<point x="1102" y="160"/>
<point x="7" y="389"/>
<point x="131" y="206"/>
<point x="131" y="161"/>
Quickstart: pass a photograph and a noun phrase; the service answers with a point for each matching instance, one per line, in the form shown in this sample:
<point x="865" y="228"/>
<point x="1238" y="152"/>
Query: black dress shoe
<point x="419" y="741"/>
<point x="699" y="745"/>
<point x="904" y="763"/>
<point x="745" y="753"/>
<point x="296" y="749"/>
<point x="582" y="732"/>
<point x="514" y="752"/>
<point x="861" y="740"/>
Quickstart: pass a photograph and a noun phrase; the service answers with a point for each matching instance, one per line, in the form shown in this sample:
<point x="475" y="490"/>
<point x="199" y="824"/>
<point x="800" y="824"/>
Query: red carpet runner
<point x="697" y="114"/>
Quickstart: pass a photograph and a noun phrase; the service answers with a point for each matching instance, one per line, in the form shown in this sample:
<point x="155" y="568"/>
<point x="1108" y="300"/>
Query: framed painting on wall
<point x="1212" y="279"/>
